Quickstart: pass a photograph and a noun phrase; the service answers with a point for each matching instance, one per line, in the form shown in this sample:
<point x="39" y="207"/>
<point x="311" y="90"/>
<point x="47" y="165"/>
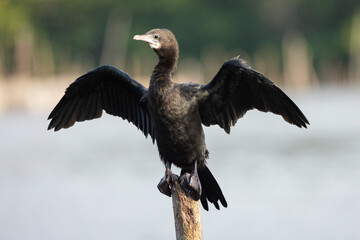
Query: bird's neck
<point x="167" y="62"/>
<point x="161" y="75"/>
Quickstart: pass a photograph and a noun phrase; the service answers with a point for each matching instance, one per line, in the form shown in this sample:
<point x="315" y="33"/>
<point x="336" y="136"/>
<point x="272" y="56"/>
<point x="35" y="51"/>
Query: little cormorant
<point x="172" y="113"/>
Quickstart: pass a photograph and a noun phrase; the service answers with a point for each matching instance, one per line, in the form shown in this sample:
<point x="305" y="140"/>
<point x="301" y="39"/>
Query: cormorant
<point x="172" y="113"/>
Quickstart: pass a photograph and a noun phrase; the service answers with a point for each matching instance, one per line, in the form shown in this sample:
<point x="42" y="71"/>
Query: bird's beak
<point x="145" y="38"/>
<point x="149" y="39"/>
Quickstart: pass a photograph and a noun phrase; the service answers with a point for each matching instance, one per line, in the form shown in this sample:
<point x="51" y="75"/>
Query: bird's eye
<point x="156" y="36"/>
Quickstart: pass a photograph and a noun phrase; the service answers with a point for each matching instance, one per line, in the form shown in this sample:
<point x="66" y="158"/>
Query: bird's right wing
<point x="103" y="88"/>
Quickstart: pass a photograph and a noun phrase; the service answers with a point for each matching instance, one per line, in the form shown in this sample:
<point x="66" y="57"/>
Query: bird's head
<point x="162" y="41"/>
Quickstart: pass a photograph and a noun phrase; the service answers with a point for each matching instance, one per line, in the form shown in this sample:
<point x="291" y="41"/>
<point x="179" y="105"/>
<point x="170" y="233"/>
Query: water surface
<point x="98" y="180"/>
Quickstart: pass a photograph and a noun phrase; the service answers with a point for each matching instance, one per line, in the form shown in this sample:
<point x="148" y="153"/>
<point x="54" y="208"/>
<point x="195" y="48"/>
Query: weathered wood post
<point x="186" y="215"/>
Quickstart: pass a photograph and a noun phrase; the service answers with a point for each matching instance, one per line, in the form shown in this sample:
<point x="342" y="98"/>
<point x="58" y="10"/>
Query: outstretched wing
<point x="103" y="88"/>
<point x="237" y="88"/>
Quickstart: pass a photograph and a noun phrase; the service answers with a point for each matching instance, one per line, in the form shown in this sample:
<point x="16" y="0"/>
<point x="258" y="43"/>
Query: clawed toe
<point x="190" y="183"/>
<point x="165" y="182"/>
<point x="164" y="186"/>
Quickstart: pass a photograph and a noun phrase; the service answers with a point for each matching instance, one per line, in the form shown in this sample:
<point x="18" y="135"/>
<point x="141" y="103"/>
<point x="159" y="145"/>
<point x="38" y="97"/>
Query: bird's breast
<point x="177" y="124"/>
<point x="172" y="108"/>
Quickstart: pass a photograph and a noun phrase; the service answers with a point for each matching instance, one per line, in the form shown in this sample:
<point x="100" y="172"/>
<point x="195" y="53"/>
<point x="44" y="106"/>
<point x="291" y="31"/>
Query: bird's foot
<point x="190" y="183"/>
<point x="166" y="181"/>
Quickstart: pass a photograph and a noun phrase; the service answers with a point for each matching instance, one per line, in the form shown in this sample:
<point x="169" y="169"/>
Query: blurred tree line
<point x="55" y="36"/>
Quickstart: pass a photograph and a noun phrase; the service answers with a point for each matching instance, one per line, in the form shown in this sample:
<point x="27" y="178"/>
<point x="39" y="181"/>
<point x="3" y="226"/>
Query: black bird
<point x="172" y="113"/>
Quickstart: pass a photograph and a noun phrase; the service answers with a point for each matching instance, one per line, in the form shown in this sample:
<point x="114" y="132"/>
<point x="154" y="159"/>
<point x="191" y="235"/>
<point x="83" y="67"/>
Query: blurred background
<point x="98" y="179"/>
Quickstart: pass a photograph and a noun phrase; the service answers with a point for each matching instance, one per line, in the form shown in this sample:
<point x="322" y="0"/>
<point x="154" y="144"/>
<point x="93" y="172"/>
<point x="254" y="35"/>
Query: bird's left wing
<point x="237" y="88"/>
<point x="103" y="88"/>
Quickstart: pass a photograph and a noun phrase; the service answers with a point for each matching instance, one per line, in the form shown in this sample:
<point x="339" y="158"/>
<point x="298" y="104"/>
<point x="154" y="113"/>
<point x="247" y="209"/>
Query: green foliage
<point x="13" y="17"/>
<point x="76" y="28"/>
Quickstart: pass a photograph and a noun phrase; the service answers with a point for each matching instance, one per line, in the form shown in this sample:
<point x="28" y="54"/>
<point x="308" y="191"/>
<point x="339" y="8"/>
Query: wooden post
<point x="186" y="215"/>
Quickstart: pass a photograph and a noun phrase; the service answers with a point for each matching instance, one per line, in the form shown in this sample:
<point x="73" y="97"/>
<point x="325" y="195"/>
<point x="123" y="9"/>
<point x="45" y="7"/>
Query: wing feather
<point x="237" y="88"/>
<point x="103" y="88"/>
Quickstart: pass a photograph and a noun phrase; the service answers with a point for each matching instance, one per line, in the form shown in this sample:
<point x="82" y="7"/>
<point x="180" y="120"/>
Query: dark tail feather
<point x="210" y="189"/>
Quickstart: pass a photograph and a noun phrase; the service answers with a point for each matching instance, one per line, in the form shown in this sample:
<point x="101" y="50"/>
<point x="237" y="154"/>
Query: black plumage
<point x="173" y="114"/>
<point x="103" y="88"/>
